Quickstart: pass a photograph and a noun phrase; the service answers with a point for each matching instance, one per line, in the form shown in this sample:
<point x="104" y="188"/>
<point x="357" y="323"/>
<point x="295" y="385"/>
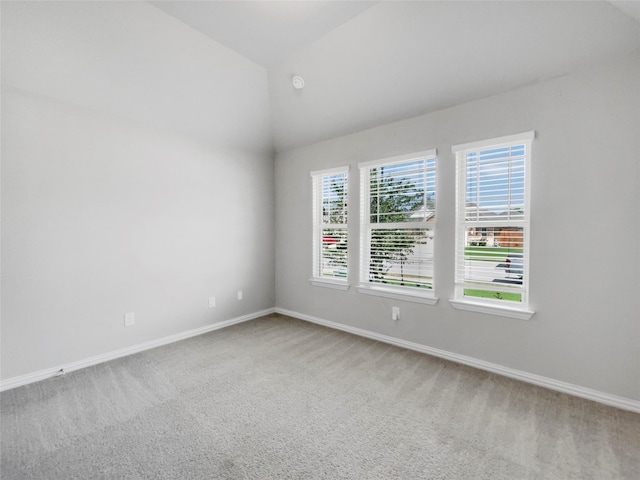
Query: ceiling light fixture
<point x="298" y="82"/>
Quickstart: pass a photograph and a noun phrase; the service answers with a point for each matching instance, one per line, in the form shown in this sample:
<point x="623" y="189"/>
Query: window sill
<point x="326" y="283"/>
<point x="519" y="313"/>
<point x="398" y="294"/>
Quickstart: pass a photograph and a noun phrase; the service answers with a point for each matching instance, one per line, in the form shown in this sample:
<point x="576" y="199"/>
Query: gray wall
<point x="585" y="249"/>
<point x="106" y="210"/>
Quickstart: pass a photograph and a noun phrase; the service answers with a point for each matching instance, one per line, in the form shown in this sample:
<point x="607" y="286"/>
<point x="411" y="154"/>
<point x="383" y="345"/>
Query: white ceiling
<point x="630" y="7"/>
<point x="266" y="32"/>
<point x="369" y="63"/>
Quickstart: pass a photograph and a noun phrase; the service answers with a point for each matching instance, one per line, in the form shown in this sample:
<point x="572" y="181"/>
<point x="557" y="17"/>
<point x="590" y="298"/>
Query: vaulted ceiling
<point x="368" y="63"/>
<point x="221" y="71"/>
<point x="266" y="32"/>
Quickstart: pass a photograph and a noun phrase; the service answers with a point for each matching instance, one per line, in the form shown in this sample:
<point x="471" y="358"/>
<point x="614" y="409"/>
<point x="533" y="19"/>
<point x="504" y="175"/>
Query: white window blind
<point x="397" y="208"/>
<point x="492" y="220"/>
<point x="330" y="239"/>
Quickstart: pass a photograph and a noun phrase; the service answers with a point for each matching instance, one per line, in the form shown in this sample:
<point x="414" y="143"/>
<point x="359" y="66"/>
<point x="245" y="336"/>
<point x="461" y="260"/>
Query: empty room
<point x="320" y="240"/>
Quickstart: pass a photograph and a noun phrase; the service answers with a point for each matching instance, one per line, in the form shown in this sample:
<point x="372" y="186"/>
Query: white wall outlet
<point x="239" y="294"/>
<point x="212" y="302"/>
<point x="129" y="319"/>
<point x="395" y="313"/>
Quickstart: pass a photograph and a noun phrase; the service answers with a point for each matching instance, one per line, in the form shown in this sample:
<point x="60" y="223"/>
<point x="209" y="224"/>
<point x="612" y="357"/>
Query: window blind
<point x="398" y="221"/>
<point x="492" y="220"/>
<point x="330" y="234"/>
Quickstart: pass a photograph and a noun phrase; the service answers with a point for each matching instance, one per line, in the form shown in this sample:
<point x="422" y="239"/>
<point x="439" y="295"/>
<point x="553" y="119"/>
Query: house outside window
<point x="330" y="233"/>
<point x="493" y="225"/>
<point x="397" y="211"/>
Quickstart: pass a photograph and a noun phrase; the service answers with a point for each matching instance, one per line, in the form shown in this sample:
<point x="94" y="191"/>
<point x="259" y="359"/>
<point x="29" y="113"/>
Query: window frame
<point x="318" y="226"/>
<point x="365" y="286"/>
<point x="521" y="310"/>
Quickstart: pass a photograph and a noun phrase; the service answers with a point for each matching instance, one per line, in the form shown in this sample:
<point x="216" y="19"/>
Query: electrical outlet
<point x="239" y="294"/>
<point x="395" y="313"/>
<point x="212" y="302"/>
<point x="129" y="319"/>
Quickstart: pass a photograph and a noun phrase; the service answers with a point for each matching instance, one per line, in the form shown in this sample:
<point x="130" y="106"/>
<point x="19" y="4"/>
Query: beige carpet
<point x="277" y="398"/>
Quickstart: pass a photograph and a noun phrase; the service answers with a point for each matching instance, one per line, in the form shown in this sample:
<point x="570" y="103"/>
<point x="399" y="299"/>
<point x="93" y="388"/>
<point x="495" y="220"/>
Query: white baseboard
<point x="123" y="352"/>
<point x="550" y="383"/>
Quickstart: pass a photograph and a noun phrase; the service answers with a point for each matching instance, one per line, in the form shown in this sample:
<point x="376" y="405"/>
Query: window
<point x="397" y="208"/>
<point x="330" y="239"/>
<point x="492" y="226"/>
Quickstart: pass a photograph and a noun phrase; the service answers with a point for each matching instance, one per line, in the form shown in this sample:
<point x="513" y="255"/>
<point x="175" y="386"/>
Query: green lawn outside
<point x="514" y="297"/>
<point x="489" y="254"/>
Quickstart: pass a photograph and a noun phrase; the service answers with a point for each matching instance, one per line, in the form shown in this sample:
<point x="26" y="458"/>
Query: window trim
<point x="521" y="310"/>
<point x="424" y="296"/>
<point x="407" y="293"/>
<point x="330" y="283"/>
<point x="316" y="178"/>
<point x="500" y="310"/>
